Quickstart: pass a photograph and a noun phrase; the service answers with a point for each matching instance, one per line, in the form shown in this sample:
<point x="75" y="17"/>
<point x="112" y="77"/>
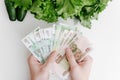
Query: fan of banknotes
<point x="42" y="41"/>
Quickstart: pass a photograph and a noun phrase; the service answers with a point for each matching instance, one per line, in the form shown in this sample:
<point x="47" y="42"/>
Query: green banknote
<point x="34" y="48"/>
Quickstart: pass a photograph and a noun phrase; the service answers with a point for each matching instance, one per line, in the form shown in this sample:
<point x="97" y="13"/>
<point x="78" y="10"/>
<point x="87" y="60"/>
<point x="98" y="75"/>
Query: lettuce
<point x="45" y="10"/>
<point x="83" y="10"/>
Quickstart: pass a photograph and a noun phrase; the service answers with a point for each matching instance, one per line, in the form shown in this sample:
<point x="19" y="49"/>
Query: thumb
<point x="51" y="59"/>
<point x="70" y="57"/>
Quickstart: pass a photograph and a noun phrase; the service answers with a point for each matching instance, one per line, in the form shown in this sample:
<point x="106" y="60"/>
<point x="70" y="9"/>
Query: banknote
<point x="34" y="48"/>
<point x="63" y="34"/>
<point x="79" y="48"/>
<point x="42" y="41"/>
<point x="59" y="29"/>
<point x="47" y="41"/>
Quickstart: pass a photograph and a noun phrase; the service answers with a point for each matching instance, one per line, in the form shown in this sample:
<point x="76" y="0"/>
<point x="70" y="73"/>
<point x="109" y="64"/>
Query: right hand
<point x="79" y="70"/>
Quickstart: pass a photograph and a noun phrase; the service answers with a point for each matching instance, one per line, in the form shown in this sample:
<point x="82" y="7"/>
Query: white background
<point x="104" y="36"/>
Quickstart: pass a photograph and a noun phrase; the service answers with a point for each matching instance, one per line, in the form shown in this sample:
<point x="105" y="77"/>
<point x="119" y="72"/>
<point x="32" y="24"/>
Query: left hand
<point x="38" y="70"/>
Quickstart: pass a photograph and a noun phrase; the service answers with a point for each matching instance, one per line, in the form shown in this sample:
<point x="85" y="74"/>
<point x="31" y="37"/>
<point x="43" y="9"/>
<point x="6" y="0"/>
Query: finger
<point x="70" y="57"/>
<point x="86" y="62"/>
<point x="32" y="60"/>
<point x="34" y="65"/>
<point x="83" y="56"/>
<point x="51" y="59"/>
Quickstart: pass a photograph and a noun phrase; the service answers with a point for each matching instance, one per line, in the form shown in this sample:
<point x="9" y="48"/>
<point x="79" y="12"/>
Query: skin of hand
<point x="38" y="70"/>
<point x="79" y="70"/>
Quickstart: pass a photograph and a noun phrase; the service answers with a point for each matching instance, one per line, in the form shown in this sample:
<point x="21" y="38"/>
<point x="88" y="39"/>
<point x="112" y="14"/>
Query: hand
<point x="38" y="70"/>
<point x="79" y="70"/>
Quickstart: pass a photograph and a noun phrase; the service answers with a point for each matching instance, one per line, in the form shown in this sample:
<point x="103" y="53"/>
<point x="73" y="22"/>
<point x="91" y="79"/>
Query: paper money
<point x="41" y="42"/>
<point x="59" y="30"/>
<point x="34" y="48"/>
<point x="79" y="47"/>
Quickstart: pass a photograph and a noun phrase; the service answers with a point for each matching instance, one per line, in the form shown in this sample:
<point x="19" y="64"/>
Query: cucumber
<point x="11" y="10"/>
<point x="21" y="13"/>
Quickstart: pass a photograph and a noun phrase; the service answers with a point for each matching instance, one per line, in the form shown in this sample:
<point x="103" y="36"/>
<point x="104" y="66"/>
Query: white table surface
<point x="104" y="36"/>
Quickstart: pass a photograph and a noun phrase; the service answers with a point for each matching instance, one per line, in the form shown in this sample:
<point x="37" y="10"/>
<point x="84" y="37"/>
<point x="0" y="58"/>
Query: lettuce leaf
<point x="83" y="10"/>
<point x="90" y="12"/>
<point x="44" y="9"/>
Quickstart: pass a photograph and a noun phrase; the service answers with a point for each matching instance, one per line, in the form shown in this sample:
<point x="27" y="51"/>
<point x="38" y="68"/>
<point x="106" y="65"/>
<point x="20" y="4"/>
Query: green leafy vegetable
<point x="45" y="10"/>
<point x="84" y="10"/>
<point x="90" y="12"/>
<point x="51" y="10"/>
